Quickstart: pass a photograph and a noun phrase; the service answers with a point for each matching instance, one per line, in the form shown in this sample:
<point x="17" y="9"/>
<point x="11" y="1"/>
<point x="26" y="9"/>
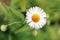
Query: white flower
<point x="36" y="17"/>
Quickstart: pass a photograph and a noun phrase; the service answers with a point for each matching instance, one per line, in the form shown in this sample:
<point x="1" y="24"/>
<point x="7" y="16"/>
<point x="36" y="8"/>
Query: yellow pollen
<point x="35" y="17"/>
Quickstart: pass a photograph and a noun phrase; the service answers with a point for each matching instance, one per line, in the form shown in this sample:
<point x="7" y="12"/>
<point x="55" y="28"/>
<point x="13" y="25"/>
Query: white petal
<point x="36" y="26"/>
<point x="43" y="22"/>
<point x="40" y="25"/>
<point x="43" y="14"/>
<point x="28" y="14"/>
<point x="31" y="25"/>
<point x="29" y="20"/>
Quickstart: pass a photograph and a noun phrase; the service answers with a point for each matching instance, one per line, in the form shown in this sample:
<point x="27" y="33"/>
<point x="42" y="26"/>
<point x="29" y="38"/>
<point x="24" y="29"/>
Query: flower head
<point x="36" y="17"/>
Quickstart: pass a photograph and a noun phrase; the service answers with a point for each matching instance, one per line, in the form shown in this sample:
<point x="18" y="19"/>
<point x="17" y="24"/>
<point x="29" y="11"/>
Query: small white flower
<point x="3" y="28"/>
<point x="36" y="17"/>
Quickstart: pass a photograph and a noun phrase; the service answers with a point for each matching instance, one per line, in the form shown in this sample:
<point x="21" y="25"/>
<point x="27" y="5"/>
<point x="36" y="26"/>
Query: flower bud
<point x="3" y="28"/>
<point x="34" y="33"/>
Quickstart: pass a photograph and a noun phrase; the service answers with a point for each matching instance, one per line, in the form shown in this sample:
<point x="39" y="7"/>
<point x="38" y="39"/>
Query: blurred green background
<point x="14" y="11"/>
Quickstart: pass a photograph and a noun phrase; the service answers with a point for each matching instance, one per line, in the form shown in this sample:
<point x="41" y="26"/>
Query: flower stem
<point x="9" y="37"/>
<point x="13" y="23"/>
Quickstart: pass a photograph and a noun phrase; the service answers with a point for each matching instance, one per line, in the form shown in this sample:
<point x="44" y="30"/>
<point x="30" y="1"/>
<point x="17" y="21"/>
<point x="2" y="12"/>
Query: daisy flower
<point x="36" y="17"/>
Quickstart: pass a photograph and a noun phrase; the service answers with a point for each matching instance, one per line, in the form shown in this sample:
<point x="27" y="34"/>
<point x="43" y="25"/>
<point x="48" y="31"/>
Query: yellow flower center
<point x="35" y="17"/>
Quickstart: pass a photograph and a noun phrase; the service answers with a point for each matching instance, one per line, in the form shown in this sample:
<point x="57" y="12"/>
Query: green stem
<point x="9" y="37"/>
<point x="13" y="23"/>
<point x="21" y="29"/>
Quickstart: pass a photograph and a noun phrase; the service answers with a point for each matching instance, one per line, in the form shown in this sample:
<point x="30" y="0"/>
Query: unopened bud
<point x="34" y="33"/>
<point x="3" y="28"/>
